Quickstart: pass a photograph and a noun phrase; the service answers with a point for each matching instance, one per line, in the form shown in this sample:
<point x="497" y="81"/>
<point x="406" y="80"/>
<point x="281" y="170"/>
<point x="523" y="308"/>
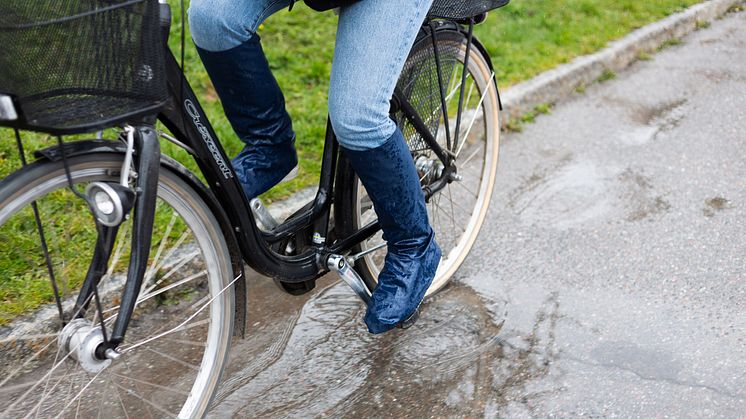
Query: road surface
<point x="609" y="280"/>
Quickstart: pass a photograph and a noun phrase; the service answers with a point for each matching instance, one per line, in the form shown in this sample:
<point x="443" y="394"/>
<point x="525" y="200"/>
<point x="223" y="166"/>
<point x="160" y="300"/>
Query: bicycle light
<point x="110" y="202"/>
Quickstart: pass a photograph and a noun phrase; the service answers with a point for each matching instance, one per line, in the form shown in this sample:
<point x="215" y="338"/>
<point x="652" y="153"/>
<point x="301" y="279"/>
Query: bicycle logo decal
<point x="192" y="111"/>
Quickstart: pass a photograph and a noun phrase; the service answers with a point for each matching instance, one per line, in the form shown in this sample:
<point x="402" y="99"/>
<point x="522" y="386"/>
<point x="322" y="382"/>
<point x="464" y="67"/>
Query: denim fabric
<point x="373" y="40"/>
<point x="389" y="176"/>
<point x="219" y="25"/>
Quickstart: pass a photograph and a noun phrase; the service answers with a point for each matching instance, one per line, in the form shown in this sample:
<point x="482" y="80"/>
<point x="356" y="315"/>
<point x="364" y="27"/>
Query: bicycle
<point x="162" y="261"/>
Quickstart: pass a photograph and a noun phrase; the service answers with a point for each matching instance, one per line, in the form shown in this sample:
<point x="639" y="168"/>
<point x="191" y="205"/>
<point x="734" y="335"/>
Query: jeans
<point x="373" y="40"/>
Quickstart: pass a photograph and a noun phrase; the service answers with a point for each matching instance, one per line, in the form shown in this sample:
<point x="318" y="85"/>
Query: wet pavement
<point x="609" y="280"/>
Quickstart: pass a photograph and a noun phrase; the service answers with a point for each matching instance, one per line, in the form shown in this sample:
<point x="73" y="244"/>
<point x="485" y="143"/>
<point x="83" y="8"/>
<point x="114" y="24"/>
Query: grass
<point x="524" y="39"/>
<point x="606" y="76"/>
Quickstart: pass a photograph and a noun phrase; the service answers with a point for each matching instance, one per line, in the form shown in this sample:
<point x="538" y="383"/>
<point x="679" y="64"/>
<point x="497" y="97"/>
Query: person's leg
<point x="373" y="41"/>
<point x="225" y="34"/>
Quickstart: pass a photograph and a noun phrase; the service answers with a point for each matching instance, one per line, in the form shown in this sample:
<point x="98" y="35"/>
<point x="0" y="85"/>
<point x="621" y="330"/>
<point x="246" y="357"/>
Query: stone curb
<point x="561" y="82"/>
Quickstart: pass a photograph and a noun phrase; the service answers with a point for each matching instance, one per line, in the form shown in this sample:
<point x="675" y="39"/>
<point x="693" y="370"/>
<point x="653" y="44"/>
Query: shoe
<point x="255" y="107"/>
<point x="391" y="180"/>
<point x="409" y="321"/>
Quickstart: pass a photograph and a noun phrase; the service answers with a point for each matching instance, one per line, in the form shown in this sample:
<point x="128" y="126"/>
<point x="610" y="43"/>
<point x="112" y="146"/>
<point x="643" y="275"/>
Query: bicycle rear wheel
<point x="458" y="211"/>
<point x="179" y="335"/>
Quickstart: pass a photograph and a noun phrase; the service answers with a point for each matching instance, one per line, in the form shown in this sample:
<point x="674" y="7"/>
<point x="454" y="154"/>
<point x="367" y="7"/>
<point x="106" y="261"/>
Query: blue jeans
<point x="373" y="40"/>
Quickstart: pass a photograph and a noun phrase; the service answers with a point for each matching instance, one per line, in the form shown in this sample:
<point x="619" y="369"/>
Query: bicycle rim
<point x="457" y="212"/>
<point x="179" y="335"/>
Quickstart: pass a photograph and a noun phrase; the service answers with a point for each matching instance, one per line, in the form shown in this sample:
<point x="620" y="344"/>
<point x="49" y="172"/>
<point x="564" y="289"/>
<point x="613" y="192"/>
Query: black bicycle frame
<point x="187" y="121"/>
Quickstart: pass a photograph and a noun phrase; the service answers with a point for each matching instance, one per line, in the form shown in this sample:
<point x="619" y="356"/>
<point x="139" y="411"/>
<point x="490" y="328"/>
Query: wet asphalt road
<point x="609" y="280"/>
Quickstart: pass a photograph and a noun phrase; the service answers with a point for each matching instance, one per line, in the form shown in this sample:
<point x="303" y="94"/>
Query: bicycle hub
<point x="80" y="339"/>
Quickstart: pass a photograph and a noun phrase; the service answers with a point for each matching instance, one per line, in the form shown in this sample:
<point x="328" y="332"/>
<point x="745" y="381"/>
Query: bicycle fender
<point x="478" y="44"/>
<point x="94" y="146"/>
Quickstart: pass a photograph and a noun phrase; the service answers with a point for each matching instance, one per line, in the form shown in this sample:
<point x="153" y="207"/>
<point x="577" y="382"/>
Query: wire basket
<point x="74" y="66"/>
<point x="463" y="9"/>
<point x="419" y="85"/>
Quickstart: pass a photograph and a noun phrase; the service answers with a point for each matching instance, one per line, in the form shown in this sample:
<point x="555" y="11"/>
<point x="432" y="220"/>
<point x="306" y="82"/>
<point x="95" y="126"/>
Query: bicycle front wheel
<point x="178" y="339"/>
<point x="457" y="212"/>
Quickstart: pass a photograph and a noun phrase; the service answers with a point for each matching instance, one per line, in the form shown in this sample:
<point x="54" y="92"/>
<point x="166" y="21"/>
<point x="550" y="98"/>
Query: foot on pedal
<point x="409" y="321"/>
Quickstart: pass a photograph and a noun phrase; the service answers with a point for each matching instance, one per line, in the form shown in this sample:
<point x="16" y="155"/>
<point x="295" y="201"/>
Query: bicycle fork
<point x="107" y="200"/>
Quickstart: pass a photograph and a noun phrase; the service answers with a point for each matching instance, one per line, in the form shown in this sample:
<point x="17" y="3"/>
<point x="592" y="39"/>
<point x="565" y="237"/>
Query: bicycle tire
<point x="353" y="212"/>
<point x="183" y="321"/>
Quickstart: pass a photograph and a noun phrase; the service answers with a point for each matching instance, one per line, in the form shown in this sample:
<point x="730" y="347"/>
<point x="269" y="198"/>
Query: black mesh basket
<point x="419" y="85"/>
<point x="75" y="66"/>
<point x="463" y="9"/>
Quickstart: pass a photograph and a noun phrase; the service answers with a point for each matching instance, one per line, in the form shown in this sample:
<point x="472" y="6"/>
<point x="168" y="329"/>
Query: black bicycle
<point x="137" y="263"/>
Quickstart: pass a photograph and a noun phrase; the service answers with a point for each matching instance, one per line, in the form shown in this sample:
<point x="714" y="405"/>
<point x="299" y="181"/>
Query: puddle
<point x="326" y="363"/>
<point x="575" y="194"/>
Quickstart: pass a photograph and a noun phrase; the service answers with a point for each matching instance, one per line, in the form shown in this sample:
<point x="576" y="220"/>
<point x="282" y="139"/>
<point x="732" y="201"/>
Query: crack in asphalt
<point x="716" y="390"/>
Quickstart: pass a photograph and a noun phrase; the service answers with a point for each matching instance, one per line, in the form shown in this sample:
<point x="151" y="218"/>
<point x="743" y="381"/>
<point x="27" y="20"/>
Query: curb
<point x="562" y="82"/>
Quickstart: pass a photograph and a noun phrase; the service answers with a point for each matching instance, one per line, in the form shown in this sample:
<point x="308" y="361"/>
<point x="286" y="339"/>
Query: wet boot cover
<point x="391" y="180"/>
<point x="255" y="107"/>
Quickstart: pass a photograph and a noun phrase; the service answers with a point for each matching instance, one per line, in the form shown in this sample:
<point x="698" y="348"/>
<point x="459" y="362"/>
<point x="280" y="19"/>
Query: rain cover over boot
<point x="255" y="107"/>
<point x="391" y="180"/>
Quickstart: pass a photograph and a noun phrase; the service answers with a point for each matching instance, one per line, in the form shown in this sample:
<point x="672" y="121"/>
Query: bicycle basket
<point x="419" y="85"/>
<point x="463" y="9"/>
<point x="74" y="66"/>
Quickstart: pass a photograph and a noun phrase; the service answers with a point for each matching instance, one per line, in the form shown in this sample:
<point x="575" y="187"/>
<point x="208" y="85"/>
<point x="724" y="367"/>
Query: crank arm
<point x="338" y="264"/>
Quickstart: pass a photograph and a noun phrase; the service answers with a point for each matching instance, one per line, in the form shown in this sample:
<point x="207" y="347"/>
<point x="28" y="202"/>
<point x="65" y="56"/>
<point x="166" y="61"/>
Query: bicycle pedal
<point x="261" y="213"/>
<point x="338" y="264"/>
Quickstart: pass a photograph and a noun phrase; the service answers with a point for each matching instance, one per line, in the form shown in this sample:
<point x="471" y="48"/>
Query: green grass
<point x="524" y="39"/>
<point x="606" y="76"/>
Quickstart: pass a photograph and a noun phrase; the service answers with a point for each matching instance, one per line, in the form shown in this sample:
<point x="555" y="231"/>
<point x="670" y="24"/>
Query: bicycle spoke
<point x="149" y="402"/>
<point x="171" y="358"/>
<point x="33" y="357"/>
<point x="453" y="214"/>
<point x="476" y="113"/>
<point x="137" y="386"/>
<point x="36" y="384"/>
<point x="46" y="387"/>
<point x="182" y="325"/>
<point x="29" y="337"/>
<point x="170" y="253"/>
<point x="457" y="205"/>
<point x="179" y="328"/>
<point x="468" y="159"/>
<point x="148" y="383"/>
<point x="77" y="397"/>
<point x="101" y="396"/>
<point x="185" y="342"/>
<point x="445" y="214"/>
<point x="476" y="195"/>
<point x="121" y="239"/>
<point x="121" y="402"/>
<point x="162" y="245"/>
<point x="148" y="296"/>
